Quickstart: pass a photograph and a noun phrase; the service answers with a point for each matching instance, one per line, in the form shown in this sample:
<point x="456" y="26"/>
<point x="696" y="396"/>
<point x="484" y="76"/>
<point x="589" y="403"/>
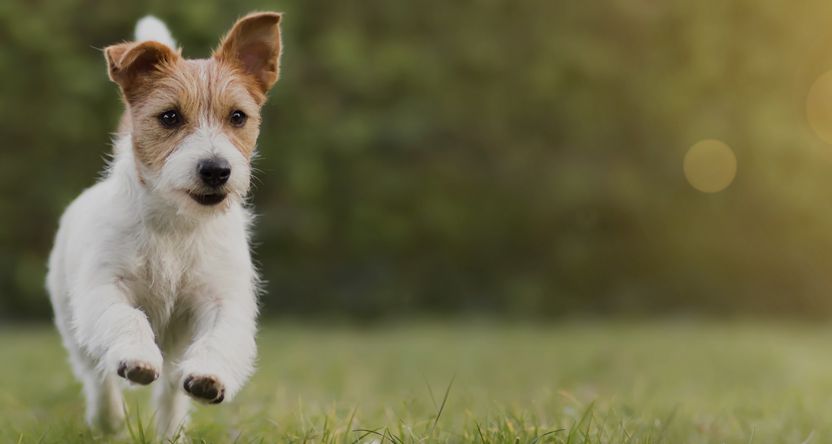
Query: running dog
<point x="150" y="277"/>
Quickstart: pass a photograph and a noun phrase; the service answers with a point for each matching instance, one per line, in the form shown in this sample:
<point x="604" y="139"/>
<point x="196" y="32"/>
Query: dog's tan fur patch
<point x="205" y="92"/>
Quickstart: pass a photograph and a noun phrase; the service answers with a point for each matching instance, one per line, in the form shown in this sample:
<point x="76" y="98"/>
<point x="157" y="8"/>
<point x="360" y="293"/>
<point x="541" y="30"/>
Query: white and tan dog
<point x="150" y="276"/>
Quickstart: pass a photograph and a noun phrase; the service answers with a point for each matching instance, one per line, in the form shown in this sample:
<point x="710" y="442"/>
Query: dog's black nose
<point x="214" y="172"/>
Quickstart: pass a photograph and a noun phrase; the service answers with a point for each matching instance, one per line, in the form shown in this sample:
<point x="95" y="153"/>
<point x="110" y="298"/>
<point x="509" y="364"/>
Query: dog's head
<point x="194" y="123"/>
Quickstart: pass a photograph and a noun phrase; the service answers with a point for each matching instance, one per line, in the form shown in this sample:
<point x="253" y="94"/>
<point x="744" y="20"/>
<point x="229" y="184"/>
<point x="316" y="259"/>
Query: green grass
<point x="577" y="382"/>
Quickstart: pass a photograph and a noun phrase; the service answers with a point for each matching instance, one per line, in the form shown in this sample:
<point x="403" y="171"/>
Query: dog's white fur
<point x="152" y="29"/>
<point x="140" y="274"/>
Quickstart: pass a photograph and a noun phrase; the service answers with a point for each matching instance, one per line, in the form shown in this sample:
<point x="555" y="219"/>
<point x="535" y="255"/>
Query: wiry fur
<point x="146" y="282"/>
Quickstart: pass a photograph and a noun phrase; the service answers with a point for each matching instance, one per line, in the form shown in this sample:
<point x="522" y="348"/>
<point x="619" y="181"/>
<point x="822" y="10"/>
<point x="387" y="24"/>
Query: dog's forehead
<point x="206" y="71"/>
<point x="212" y="77"/>
<point x="205" y="84"/>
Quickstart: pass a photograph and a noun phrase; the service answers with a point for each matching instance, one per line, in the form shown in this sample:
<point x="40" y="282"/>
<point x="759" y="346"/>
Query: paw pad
<point x="138" y="372"/>
<point x="205" y="388"/>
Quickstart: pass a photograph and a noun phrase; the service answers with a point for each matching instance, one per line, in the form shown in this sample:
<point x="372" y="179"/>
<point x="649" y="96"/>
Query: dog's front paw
<point x="136" y="371"/>
<point x="207" y="389"/>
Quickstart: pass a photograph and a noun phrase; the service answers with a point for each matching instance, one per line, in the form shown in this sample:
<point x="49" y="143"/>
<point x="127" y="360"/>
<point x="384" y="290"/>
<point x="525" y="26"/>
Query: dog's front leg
<point x="116" y="334"/>
<point x="221" y="358"/>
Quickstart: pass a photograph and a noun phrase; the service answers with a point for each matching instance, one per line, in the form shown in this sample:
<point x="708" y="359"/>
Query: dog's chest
<point x="163" y="278"/>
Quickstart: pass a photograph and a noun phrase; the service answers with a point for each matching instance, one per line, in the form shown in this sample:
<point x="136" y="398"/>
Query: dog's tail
<point x="151" y="28"/>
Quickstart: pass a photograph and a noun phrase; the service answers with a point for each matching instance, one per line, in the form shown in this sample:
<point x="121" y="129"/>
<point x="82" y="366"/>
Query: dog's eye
<point x="237" y="118"/>
<point x="170" y="118"/>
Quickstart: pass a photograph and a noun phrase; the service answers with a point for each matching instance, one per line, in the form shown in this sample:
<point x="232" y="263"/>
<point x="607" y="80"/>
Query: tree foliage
<point x="490" y="155"/>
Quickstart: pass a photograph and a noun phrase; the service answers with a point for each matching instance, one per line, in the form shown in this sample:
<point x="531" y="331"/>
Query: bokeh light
<point x="819" y="107"/>
<point x="710" y="166"/>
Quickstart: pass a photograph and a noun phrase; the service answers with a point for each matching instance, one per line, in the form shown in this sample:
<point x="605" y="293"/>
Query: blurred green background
<point x="515" y="158"/>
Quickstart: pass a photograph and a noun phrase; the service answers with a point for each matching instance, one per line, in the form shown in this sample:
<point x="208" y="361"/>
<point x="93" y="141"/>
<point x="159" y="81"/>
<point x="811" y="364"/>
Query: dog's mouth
<point x="208" y="199"/>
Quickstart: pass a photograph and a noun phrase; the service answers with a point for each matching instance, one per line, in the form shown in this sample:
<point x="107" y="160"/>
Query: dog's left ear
<point x="129" y="63"/>
<point x="253" y="44"/>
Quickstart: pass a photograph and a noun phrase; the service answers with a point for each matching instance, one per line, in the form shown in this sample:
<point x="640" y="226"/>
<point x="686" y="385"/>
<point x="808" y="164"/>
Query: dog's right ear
<point x="129" y="64"/>
<point x="253" y="44"/>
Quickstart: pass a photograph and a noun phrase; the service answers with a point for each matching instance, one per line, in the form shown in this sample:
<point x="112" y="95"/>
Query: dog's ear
<point x="253" y="44"/>
<point x="128" y="63"/>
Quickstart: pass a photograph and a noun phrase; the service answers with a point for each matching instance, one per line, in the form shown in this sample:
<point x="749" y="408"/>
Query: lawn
<point x="578" y="382"/>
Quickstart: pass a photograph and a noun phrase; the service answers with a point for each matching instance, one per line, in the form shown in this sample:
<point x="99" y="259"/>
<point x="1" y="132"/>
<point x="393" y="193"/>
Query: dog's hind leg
<point x="105" y="404"/>
<point x="105" y="409"/>
<point x="172" y="405"/>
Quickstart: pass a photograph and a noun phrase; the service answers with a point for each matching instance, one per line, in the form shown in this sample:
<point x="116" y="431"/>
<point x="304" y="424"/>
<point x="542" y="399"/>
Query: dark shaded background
<point x="519" y="158"/>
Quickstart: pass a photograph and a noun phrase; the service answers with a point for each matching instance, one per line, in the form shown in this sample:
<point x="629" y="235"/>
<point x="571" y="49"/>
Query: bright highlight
<point x="819" y="107"/>
<point x="710" y="166"/>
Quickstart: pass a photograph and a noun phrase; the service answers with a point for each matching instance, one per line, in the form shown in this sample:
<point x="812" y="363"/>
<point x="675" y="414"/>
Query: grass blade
<point x="442" y="407"/>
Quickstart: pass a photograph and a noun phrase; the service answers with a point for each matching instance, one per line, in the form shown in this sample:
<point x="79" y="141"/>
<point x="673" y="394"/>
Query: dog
<point x="151" y="277"/>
